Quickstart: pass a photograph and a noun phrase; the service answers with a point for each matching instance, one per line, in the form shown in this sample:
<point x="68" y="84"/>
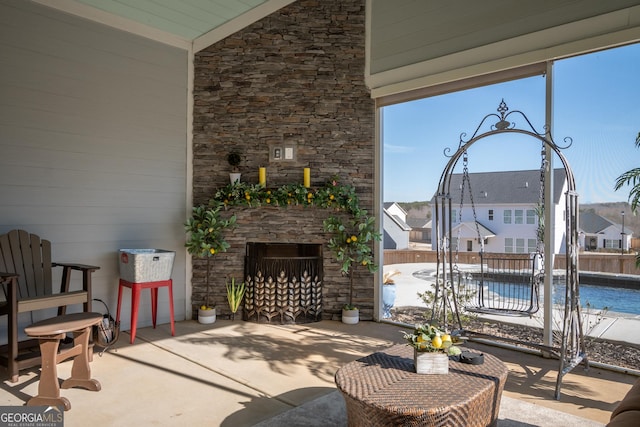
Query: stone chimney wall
<point x="293" y="79"/>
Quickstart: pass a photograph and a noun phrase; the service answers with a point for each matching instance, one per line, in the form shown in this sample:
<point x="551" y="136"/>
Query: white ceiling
<point x="182" y="23"/>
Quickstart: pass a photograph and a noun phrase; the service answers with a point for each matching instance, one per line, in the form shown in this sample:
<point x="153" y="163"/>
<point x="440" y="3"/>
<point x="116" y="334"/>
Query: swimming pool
<point x="618" y="300"/>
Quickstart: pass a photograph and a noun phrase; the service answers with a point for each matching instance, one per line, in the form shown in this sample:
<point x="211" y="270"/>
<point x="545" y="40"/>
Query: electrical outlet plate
<point x="276" y="154"/>
<point x="282" y="153"/>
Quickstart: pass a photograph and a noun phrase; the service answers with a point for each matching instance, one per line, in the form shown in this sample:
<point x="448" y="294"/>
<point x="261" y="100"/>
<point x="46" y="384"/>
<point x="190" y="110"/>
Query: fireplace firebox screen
<point x="283" y="283"/>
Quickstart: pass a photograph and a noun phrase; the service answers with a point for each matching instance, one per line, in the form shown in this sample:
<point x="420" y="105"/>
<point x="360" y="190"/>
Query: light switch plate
<point x="288" y="153"/>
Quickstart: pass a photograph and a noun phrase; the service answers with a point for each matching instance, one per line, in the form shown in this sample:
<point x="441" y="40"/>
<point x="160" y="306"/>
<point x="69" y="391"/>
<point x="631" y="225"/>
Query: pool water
<point x="618" y="300"/>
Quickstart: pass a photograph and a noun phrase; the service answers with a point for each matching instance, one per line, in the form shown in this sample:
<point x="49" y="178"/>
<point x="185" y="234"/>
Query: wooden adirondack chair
<point x="26" y="279"/>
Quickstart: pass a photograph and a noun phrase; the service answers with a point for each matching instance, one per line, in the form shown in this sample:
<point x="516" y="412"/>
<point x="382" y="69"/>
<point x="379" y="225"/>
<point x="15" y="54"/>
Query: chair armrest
<point x="9" y="282"/>
<point x="87" y="272"/>
<point x="73" y="266"/>
<point x="7" y="277"/>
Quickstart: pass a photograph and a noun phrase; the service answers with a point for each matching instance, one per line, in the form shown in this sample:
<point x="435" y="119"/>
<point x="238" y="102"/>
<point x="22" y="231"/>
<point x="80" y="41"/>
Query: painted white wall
<point x="613" y="232"/>
<point x="396" y="209"/>
<point x="394" y="232"/>
<point x="93" y="131"/>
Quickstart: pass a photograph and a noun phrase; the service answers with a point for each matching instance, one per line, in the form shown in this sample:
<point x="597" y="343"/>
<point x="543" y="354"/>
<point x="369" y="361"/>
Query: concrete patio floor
<point x="235" y="373"/>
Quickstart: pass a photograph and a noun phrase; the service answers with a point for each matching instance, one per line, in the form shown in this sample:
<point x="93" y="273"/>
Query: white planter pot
<point x="350" y="317"/>
<point x="430" y="363"/>
<point x="388" y="299"/>
<point x="206" y="316"/>
<point x="234" y="177"/>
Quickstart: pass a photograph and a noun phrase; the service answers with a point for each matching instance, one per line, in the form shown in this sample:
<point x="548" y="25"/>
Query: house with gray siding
<point x="396" y="229"/>
<point x="420" y="230"/>
<point x="597" y="232"/>
<point x="502" y="217"/>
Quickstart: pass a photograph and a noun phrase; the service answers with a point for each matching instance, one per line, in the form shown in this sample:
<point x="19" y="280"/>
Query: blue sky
<point x="596" y="104"/>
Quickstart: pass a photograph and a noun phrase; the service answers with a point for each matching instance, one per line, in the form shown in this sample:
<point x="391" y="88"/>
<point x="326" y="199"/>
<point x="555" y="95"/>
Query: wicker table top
<point x="383" y="389"/>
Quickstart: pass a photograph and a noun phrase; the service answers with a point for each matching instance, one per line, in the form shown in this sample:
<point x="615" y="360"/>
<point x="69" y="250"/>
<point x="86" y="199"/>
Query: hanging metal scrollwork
<point x="504" y="121"/>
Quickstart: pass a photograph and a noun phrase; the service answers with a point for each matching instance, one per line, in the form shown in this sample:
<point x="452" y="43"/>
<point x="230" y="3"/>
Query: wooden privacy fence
<point x="596" y="262"/>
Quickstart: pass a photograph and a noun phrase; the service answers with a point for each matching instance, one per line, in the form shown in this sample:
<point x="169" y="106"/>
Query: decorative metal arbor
<point x="452" y="283"/>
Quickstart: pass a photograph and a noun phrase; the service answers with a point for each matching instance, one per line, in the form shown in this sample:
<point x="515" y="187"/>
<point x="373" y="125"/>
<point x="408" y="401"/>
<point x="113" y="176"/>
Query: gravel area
<point x="623" y="355"/>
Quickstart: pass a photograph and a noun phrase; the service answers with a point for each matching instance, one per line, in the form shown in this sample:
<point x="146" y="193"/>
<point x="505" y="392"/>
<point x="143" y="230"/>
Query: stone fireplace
<point x="283" y="283"/>
<point x="294" y="78"/>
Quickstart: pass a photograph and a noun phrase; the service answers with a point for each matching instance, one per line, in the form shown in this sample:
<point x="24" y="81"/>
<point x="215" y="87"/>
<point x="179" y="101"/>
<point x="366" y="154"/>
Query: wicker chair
<point x="627" y="413"/>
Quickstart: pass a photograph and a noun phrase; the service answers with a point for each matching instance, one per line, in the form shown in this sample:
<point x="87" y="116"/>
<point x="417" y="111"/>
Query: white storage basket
<point x="146" y="265"/>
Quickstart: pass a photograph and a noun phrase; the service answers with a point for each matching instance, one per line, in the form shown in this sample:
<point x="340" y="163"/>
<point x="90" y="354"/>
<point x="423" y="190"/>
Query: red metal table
<point x="135" y="302"/>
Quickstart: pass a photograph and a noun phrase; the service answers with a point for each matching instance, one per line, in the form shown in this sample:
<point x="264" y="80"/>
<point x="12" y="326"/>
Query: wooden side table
<point x="135" y="302"/>
<point x="382" y="389"/>
<point x="49" y="333"/>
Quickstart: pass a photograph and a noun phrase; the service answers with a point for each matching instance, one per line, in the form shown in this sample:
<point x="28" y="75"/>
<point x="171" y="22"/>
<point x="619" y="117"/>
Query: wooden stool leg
<point x="80" y="370"/>
<point x="48" y="388"/>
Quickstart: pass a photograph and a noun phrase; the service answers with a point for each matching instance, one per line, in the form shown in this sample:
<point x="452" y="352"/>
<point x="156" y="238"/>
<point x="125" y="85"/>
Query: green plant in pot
<point x="235" y="293"/>
<point x="205" y="239"/>
<point x="432" y="346"/>
<point x="234" y="160"/>
<point x="351" y="245"/>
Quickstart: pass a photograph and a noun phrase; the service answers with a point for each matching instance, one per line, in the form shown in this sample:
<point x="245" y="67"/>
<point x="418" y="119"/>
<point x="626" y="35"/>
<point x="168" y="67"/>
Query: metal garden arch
<point x="451" y="281"/>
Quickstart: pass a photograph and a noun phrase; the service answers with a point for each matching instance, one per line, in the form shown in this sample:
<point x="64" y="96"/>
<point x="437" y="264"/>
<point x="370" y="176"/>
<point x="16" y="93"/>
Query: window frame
<point x="508" y="245"/>
<point x="507" y="216"/>
<point x="518" y="216"/>
<point x="531" y="217"/>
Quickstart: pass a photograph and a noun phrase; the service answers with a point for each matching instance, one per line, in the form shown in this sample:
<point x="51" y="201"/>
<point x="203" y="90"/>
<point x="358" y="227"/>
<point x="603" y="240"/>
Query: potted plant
<point x="351" y="245"/>
<point x="234" y="296"/>
<point x="234" y="160"/>
<point x="206" y="314"/>
<point x="388" y="292"/>
<point x="431" y="349"/>
<point x="205" y="238"/>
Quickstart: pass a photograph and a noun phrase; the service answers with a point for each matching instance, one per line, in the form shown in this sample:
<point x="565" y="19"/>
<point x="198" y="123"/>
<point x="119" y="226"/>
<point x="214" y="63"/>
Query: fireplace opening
<point x="283" y="283"/>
